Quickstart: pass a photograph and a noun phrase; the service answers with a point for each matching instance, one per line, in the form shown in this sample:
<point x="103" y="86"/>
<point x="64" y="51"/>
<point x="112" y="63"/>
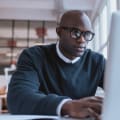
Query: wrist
<point x="66" y="108"/>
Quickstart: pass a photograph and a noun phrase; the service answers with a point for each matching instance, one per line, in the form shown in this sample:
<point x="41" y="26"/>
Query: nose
<point x="81" y="39"/>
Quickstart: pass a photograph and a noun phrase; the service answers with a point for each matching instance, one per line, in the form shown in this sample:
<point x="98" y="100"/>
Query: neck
<point x="65" y="53"/>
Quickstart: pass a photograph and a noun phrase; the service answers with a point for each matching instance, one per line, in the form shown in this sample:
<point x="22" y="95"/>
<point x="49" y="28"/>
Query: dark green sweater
<point x="42" y="80"/>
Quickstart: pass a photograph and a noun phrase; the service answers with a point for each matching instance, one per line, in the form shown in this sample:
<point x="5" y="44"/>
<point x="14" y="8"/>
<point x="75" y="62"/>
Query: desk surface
<point x="37" y="117"/>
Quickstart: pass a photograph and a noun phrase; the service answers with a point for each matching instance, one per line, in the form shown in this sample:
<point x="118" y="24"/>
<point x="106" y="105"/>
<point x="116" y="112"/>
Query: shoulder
<point x="95" y="56"/>
<point x="39" y="50"/>
<point x="36" y="53"/>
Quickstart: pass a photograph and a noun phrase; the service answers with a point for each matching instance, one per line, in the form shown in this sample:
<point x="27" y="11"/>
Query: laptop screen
<point x="111" y="107"/>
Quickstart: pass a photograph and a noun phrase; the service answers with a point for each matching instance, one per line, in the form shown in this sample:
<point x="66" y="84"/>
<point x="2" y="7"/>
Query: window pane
<point x="97" y="35"/>
<point x="113" y="5"/>
<point x="20" y="30"/>
<point x="5" y="27"/>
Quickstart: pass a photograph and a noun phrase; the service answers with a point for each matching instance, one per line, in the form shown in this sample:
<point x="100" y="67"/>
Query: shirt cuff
<point x="60" y="106"/>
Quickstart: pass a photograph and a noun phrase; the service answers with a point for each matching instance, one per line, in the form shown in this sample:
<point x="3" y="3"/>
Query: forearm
<point x="33" y="103"/>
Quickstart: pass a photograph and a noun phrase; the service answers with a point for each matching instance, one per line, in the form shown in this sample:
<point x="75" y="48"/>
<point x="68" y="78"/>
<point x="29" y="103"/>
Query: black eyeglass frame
<point x="71" y="29"/>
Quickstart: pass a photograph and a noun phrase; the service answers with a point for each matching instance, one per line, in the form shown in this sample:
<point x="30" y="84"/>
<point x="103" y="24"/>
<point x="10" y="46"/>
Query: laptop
<point x="111" y="106"/>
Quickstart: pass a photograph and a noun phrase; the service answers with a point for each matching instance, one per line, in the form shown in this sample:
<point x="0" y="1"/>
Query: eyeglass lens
<point x="76" y="34"/>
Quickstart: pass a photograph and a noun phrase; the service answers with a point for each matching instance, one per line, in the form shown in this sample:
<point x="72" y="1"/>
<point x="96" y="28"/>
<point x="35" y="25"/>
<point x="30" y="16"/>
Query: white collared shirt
<point x="65" y="59"/>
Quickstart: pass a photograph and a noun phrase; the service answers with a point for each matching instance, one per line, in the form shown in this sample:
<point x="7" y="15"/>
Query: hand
<point x="82" y="108"/>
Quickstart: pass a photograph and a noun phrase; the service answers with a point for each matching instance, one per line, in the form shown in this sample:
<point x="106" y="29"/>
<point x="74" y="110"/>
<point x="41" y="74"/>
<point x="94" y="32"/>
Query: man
<point x="60" y="79"/>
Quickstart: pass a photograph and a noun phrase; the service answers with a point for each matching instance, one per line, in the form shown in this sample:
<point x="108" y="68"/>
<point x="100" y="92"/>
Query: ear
<point x="58" y="31"/>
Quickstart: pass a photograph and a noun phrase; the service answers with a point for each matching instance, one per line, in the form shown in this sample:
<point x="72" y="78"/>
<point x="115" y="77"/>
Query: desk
<point x="32" y="117"/>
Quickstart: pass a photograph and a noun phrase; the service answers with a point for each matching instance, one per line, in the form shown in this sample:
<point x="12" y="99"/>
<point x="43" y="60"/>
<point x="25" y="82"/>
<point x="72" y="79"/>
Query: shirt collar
<point x="65" y="59"/>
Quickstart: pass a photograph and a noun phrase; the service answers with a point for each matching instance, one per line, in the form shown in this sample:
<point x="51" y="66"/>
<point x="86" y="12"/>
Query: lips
<point x="80" y="48"/>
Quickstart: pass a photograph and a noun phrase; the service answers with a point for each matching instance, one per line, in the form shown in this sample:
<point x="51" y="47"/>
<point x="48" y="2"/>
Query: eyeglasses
<point x="76" y="33"/>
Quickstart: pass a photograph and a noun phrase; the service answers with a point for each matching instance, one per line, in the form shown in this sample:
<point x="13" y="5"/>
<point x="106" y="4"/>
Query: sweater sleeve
<point x="24" y="95"/>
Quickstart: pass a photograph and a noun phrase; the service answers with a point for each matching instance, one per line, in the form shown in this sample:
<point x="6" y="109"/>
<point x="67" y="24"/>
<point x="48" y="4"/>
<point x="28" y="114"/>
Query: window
<point x="102" y="25"/>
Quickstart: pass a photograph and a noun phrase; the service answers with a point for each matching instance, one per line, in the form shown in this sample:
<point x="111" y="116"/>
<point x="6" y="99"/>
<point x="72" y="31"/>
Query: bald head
<point x="76" y="18"/>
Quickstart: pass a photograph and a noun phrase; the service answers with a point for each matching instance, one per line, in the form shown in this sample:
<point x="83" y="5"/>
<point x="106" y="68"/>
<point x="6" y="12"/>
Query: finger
<point x="97" y="107"/>
<point x="99" y="98"/>
<point x="96" y="99"/>
<point x="92" y="99"/>
<point x="92" y="113"/>
<point x="84" y="113"/>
